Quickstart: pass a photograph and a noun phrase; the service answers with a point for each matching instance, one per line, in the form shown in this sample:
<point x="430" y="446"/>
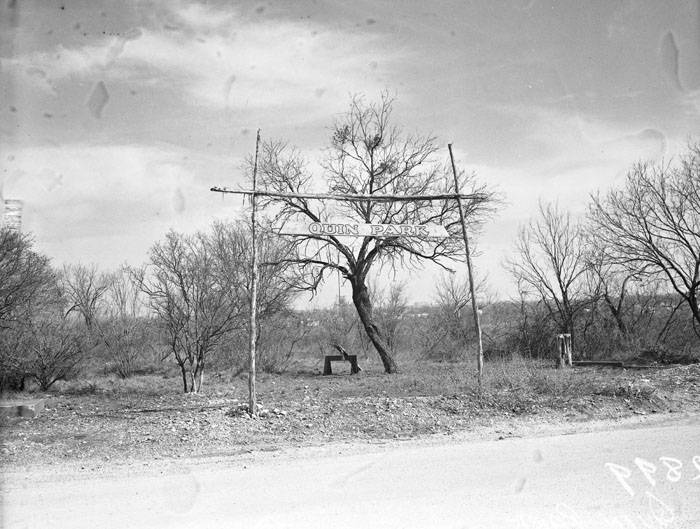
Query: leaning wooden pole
<point x="475" y="309"/>
<point x="252" y="407"/>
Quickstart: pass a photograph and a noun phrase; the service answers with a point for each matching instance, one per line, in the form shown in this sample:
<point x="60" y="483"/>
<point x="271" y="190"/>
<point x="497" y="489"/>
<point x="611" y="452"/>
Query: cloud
<point x="46" y="69"/>
<point x="202" y="16"/>
<point x="78" y="197"/>
<point x="581" y="152"/>
<point x="579" y="155"/>
<point x="217" y="58"/>
<point x="668" y="52"/>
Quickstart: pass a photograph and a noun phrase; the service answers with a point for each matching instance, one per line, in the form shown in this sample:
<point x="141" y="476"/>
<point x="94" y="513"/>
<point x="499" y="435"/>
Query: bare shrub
<point x="13" y="372"/>
<point x="279" y="339"/>
<point x="281" y="336"/>
<point x="54" y="348"/>
<point x="124" y="326"/>
<point x="449" y="330"/>
<point x="391" y="306"/>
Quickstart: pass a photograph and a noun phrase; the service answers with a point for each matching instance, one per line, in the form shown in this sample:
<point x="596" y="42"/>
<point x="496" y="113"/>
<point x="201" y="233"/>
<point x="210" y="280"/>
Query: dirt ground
<point x="109" y="421"/>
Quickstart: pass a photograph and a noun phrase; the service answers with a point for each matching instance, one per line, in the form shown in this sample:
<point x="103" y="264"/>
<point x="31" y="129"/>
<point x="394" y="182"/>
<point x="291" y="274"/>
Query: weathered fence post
<point x="564" y="350"/>
<point x="252" y="404"/>
<point x="569" y="350"/>
<point x="472" y="288"/>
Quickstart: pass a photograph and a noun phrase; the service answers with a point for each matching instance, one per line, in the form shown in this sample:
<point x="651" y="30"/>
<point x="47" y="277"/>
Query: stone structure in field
<point x="21" y="408"/>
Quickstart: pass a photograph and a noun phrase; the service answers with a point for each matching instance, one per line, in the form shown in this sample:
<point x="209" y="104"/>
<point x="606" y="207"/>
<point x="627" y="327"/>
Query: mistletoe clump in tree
<point x="368" y="155"/>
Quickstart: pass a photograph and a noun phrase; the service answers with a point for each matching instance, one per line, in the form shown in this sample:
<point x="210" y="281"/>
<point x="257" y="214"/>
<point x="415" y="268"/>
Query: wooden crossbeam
<point x="355" y="197"/>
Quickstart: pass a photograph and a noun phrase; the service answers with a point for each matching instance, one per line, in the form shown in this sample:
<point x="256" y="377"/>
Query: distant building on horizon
<point x="12" y="214"/>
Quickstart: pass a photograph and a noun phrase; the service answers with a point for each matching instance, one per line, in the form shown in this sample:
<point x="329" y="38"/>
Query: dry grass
<point x="147" y="417"/>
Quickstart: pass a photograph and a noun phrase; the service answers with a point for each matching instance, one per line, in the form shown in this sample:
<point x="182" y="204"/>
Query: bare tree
<point x="24" y="275"/>
<point x="195" y="301"/>
<point x="651" y="226"/>
<point x="84" y="288"/>
<point x="551" y="260"/>
<point x="367" y="155"/>
<point x="610" y="283"/>
<point x="629" y="296"/>
<point x="122" y="324"/>
<point x="278" y="280"/>
<point x="43" y="341"/>
<point x="27" y="283"/>
<point x="112" y="309"/>
<point x="13" y="368"/>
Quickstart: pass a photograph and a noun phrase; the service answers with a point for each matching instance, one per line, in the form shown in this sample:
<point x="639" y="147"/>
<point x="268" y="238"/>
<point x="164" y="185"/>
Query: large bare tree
<point x="367" y="154"/>
<point x="651" y="225"/>
<point x="550" y="260"/>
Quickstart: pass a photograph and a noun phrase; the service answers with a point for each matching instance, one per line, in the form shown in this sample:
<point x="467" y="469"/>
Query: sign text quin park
<point x="345" y="229"/>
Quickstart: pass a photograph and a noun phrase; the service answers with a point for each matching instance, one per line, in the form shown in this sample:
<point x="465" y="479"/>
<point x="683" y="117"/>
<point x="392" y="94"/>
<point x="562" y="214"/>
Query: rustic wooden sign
<point x="351" y="229"/>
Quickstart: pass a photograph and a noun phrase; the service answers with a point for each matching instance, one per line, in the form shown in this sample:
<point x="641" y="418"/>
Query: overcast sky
<point x="117" y="117"/>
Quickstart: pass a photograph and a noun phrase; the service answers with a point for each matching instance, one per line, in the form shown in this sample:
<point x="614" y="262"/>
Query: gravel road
<point x="643" y="477"/>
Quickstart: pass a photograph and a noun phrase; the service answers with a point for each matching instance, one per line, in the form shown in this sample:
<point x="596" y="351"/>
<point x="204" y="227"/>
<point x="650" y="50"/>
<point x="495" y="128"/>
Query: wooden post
<point x="560" y="351"/>
<point x="564" y="350"/>
<point x="475" y="309"/>
<point x="340" y="311"/>
<point x="252" y="407"/>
